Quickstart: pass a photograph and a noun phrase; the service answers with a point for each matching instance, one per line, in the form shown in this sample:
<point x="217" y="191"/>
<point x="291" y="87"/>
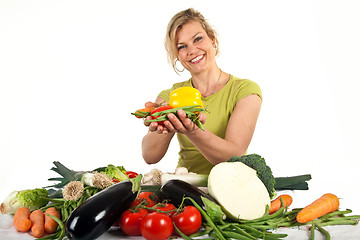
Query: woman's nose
<point x="191" y="49"/>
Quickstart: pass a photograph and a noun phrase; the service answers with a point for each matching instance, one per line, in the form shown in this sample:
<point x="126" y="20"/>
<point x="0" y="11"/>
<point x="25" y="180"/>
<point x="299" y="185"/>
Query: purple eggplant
<point x="97" y="214"/>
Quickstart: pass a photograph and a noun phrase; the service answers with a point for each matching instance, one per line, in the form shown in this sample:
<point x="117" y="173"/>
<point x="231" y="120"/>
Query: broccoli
<point x="30" y="198"/>
<point x="272" y="183"/>
<point x="263" y="171"/>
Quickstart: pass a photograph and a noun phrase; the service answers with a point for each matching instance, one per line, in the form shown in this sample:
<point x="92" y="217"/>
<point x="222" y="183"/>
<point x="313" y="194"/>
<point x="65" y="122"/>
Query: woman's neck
<point x="209" y="82"/>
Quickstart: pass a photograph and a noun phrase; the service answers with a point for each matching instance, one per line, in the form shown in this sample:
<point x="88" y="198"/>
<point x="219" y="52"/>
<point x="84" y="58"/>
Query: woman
<point x="232" y="104"/>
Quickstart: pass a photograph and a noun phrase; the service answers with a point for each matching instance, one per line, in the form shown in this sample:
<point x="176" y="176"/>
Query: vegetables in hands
<point x="238" y="190"/>
<point x="327" y="203"/>
<point x="30" y="198"/>
<point x="185" y="96"/>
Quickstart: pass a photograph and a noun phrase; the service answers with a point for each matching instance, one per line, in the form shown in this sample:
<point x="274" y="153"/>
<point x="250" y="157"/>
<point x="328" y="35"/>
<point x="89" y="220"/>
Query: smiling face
<point x="195" y="49"/>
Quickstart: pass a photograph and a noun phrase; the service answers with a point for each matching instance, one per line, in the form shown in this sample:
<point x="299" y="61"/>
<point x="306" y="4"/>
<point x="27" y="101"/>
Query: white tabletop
<point x="301" y="198"/>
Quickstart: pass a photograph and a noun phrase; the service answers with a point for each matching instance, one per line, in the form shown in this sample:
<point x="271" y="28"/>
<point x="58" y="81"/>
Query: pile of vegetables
<point x="187" y="99"/>
<point x="241" y="203"/>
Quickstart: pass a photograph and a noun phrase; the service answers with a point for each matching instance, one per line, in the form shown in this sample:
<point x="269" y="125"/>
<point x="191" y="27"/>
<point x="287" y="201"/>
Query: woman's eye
<point x="181" y="47"/>
<point x="197" y="39"/>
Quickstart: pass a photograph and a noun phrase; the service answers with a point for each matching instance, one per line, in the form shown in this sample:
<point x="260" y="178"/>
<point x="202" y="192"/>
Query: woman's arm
<point x="156" y="142"/>
<point x="238" y="135"/>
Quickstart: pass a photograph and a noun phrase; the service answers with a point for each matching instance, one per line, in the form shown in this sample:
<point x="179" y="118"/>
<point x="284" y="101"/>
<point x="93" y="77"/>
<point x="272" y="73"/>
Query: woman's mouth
<point x="197" y="59"/>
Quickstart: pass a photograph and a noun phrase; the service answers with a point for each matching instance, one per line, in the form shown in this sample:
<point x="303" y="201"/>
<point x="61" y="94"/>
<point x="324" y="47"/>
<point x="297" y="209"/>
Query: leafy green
<point x="213" y="210"/>
<point x="118" y="172"/>
<point x="30" y="198"/>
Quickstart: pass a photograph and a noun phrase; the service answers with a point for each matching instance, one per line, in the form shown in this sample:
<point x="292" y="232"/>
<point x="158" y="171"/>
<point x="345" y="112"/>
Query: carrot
<point x="327" y="203"/>
<point x="276" y="203"/>
<point x="50" y="224"/>
<point x="144" y="112"/>
<point x="38" y="221"/>
<point x="21" y="219"/>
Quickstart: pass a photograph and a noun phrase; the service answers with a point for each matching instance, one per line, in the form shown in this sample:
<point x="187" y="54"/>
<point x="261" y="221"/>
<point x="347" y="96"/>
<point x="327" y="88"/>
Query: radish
<point x="238" y="190"/>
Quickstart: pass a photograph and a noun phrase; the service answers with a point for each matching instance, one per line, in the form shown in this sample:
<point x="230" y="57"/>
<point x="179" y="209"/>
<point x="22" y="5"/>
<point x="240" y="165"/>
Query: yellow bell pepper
<point x="185" y="96"/>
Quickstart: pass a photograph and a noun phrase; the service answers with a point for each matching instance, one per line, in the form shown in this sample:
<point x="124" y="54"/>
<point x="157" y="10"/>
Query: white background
<point x="71" y="72"/>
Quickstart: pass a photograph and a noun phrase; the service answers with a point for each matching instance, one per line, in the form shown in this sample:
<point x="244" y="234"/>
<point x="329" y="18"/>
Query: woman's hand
<point x="183" y="124"/>
<point x="154" y="126"/>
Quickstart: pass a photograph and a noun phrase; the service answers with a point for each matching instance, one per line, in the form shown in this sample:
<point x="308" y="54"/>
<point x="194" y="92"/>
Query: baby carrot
<point x="276" y="203"/>
<point x="21" y="219"/>
<point x="51" y="224"/>
<point x="38" y="221"/>
<point x="327" y="203"/>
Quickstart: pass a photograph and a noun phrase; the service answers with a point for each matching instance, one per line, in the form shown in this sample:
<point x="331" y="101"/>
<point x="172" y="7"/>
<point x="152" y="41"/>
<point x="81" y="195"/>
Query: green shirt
<point x="219" y="107"/>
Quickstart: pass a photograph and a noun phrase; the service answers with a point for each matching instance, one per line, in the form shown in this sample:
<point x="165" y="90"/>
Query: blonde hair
<point x="176" y="23"/>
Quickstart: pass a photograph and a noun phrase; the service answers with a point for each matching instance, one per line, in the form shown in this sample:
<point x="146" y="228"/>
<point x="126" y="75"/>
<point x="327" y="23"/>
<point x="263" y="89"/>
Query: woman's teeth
<point x="197" y="58"/>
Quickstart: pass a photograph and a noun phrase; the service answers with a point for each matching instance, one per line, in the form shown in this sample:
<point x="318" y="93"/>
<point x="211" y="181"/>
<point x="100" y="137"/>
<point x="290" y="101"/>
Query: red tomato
<point x="130" y="221"/>
<point x="156" y="226"/>
<point x="188" y="221"/>
<point x="149" y="198"/>
<point x="131" y="174"/>
<point x="159" y="109"/>
<point x="166" y="207"/>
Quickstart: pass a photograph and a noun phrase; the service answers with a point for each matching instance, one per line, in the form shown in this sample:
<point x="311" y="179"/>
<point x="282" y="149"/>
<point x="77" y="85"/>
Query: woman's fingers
<point x="202" y="118"/>
<point x="151" y="105"/>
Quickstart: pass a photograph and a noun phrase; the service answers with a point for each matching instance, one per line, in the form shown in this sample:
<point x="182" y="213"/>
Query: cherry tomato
<point x="188" y="221"/>
<point x="149" y="198"/>
<point x="156" y="226"/>
<point x="159" y="109"/>
<point x="131" y="174"/>
<point x="166" y="207"/>
<point x="130" y="221"/>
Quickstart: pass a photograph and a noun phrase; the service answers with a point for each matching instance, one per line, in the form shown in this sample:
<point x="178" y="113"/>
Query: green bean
<point x="174" y="110"/>
<point x="63" y="214"/>
<point x="181" y="234"/>
<point x="266" y="217"/>
<point x="61" y="225"/>
<point x="51" y="205"/>
<point x="312" y="231"/>
<point x="208" y="219"/>
<point x="52" y="236"/>
<point x="353" y="217"/>
<point x="200" y="233"/>
<point x="54" y="200"/>
<point x="235" y="235"/>
<point x="241" y="231"/>
<point x="161" y="118"/>
<point x="323" y="231"/>
<point x="336" y="213"/>
<point x="199" y="124"/>
<point x="252" y="230"/>
<point x="338" y="222"/>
